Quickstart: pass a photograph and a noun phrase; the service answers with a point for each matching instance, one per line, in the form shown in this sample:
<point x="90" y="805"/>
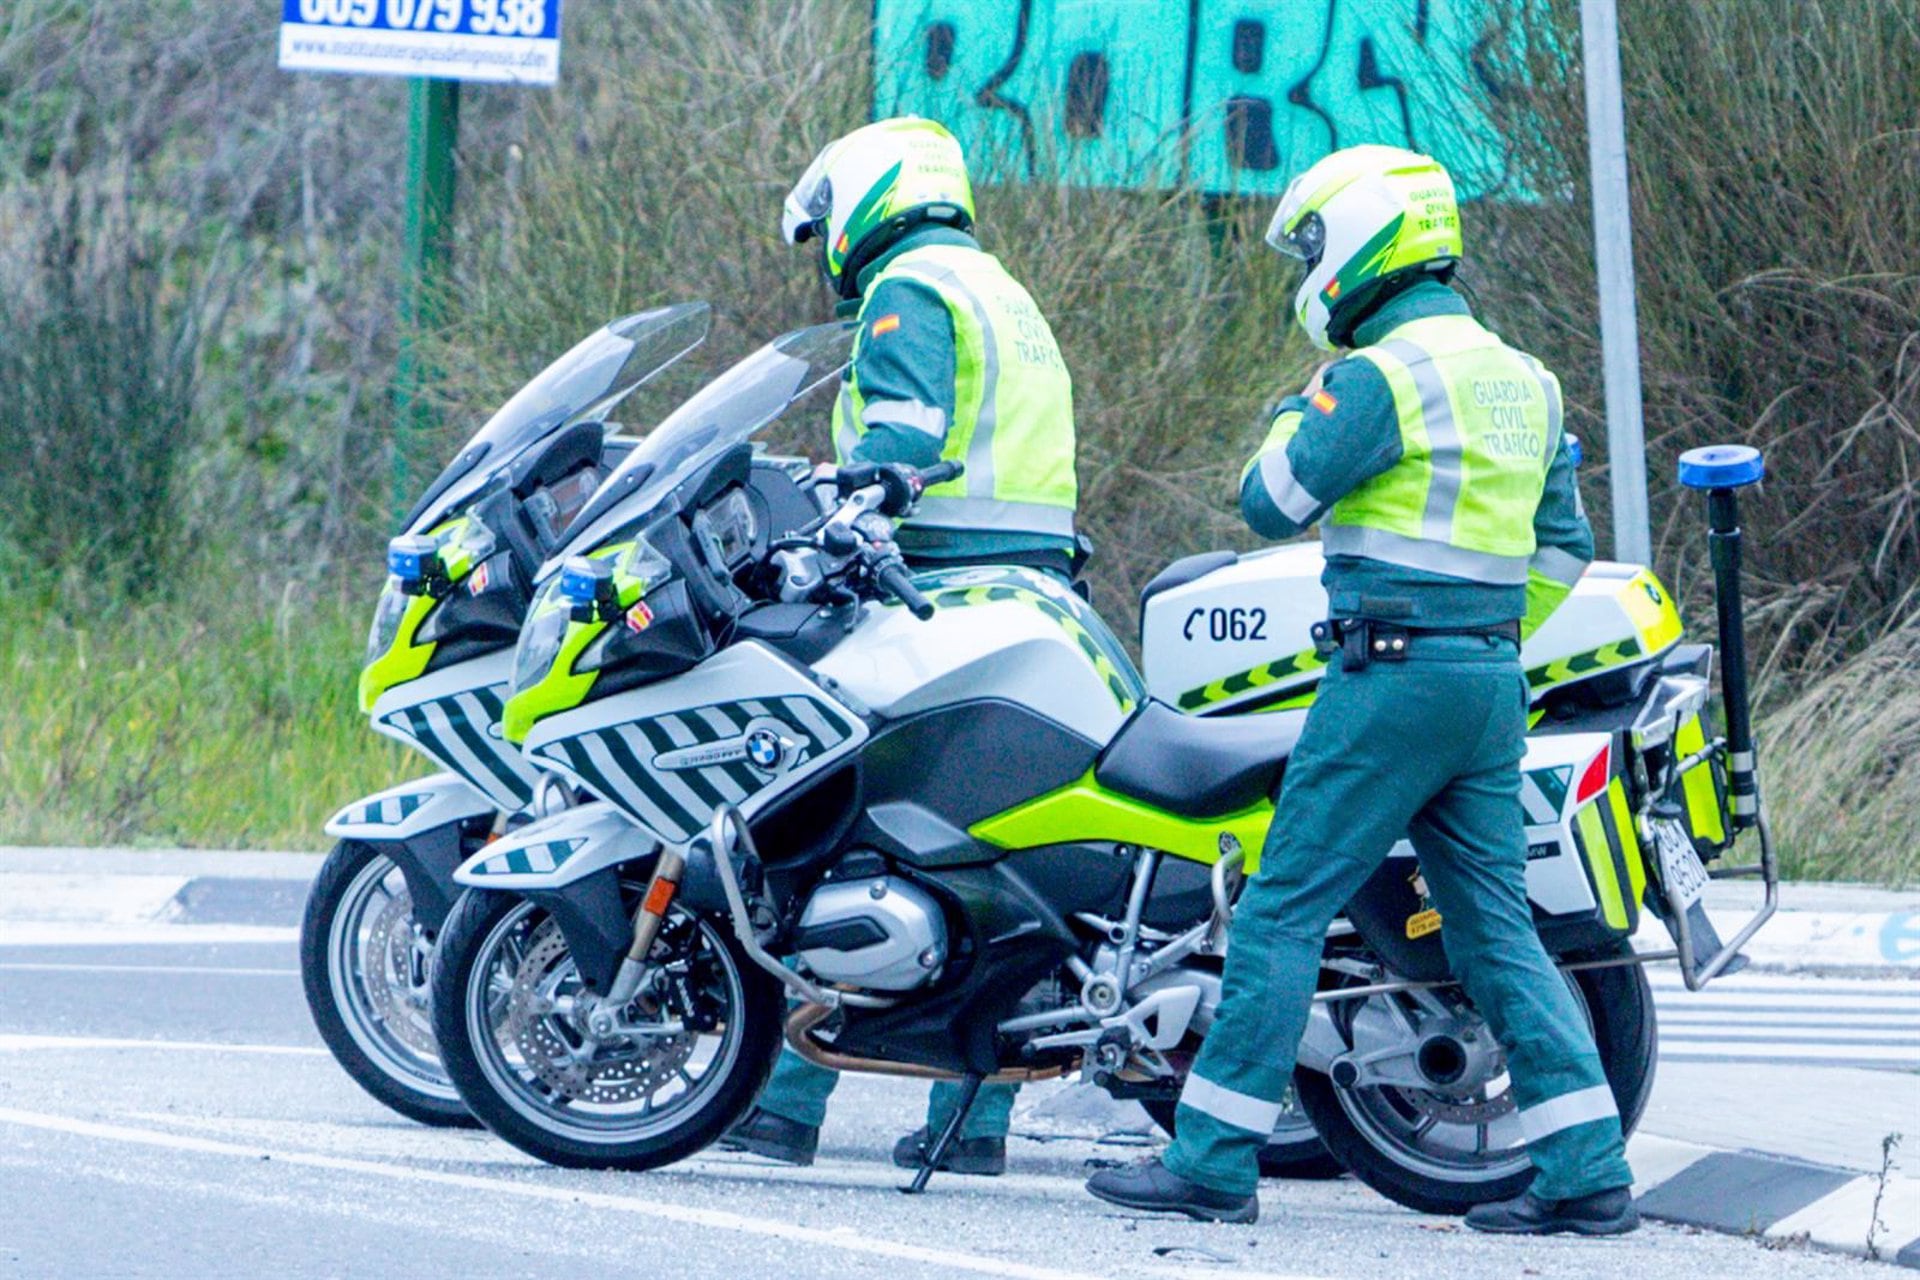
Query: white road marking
<point x="9" y="1043"/>
<point x="201" y="969"/>
<point x="845" y="1239"/>
<point x="42" y="933"/>
<point x="1787" y="1020"/>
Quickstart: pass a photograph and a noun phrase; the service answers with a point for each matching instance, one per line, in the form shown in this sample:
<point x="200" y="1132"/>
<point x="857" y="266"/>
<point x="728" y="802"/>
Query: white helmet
<point x="1358" y="218"/>
<point x="869" y="188"/>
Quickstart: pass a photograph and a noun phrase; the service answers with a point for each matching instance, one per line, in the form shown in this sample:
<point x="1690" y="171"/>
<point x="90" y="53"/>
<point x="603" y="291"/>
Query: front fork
<point x="648" y="916"/>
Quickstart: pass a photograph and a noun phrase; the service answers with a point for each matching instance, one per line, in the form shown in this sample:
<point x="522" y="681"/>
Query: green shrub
<point x="207" y="720"/>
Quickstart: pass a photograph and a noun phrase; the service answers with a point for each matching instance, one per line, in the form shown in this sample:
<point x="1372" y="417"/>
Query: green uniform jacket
<point x="1325" y="447"/>
<point x="905" y="383"/>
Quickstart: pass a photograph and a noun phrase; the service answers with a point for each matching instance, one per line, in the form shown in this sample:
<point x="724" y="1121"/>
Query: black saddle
<point x="1197" y="766"/>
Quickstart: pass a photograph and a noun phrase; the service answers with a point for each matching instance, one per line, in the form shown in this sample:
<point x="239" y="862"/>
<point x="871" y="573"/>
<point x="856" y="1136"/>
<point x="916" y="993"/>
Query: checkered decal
<point x="1306" y="663"/>
<point x="529" y="861"/>
<point x="1067" y="612"/>
<point x="1543" y="793"/>
<point x="1575" y="666"/>
<point x="619" y="762"/>
<point x="462" y="732"/>
<point x="389" y="812"/>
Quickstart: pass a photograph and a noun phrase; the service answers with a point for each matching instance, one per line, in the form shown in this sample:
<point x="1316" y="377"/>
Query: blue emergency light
<point x="1722" y="466"/>
<point x="408" y="558"/>
<point x="584" y="580"/>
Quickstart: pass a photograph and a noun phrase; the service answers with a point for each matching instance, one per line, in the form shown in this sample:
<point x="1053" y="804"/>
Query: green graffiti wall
<point x="1225" y="97"/>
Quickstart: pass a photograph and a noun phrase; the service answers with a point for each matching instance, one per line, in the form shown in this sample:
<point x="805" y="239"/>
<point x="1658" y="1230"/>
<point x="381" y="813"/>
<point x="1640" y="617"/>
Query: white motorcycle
<point x="439" y="655"/>
<point x="946" y="815"/>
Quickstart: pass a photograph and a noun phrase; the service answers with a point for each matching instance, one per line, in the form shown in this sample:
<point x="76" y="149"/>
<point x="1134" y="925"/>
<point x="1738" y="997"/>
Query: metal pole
<point x="1613" y="262"/>
<point x="433" y="124"/>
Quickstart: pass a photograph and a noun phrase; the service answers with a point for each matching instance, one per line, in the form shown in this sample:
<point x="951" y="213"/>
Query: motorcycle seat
<point x="1197" y="766"/>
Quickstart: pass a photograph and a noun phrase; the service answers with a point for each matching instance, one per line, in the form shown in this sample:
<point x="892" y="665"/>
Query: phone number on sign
<point x="519" y="18"/>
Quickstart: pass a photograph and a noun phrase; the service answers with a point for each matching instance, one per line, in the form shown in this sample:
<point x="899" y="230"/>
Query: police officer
<point x="952" y="361"/>
<point x="1433" y="459"/>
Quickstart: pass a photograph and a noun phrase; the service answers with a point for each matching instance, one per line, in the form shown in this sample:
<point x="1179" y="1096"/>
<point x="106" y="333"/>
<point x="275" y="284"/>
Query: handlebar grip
<point x="894" y="579"/>
<point x="940" y="473"/>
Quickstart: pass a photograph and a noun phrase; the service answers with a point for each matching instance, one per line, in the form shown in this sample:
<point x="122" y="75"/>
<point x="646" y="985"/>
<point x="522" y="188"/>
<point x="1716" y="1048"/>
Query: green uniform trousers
<point x="798" y="1091"/>
<point x="1427" y="748"/>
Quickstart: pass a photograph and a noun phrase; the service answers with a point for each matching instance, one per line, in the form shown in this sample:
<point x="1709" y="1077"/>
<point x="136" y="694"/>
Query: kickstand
<point x="931" y="1158"/>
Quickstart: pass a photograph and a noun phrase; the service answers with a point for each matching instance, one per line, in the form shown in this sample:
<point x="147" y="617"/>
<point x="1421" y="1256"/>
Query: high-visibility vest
<point x="1479" y="426"/>
<point x="1013" y="405"/>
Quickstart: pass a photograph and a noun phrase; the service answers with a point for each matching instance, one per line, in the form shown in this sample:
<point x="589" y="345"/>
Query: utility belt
<point x="1363" y="641"/>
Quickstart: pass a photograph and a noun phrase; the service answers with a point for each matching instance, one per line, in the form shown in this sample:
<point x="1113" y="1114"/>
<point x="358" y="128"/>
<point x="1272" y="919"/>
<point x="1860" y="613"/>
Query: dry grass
<point x="1841" y="767"/>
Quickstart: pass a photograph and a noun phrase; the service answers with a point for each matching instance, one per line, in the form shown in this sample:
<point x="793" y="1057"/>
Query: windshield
<point x="581" y="386"/>
<point x="726" y="412"/>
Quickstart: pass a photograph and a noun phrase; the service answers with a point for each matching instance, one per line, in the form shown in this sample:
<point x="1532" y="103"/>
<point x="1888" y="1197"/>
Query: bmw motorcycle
<point x="436" y="677"/>
<point x="947" y="817"/>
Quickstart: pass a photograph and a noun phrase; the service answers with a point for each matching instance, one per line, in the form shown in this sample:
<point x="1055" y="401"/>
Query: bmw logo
<point x="764" y="749"/>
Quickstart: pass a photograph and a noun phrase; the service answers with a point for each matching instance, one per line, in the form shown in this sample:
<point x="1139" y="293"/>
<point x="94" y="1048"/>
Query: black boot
<point x="1604" y="1213"/>
<point x="982" y="1157"/>
<point x="777" y="1138"/>
<point x="1155" y="1188"/>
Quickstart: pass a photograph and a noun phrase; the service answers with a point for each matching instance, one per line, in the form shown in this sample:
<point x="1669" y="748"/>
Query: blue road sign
<point x="503" y="41"/>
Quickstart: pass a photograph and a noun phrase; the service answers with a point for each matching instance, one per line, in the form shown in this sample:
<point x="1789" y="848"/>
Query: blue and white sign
<point x="504" y="41"/>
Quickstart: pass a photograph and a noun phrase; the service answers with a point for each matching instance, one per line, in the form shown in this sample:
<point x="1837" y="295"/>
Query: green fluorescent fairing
<point x="404" y="660"/>
<point x="1084" y="811"/>
<point x="560" y="687"/>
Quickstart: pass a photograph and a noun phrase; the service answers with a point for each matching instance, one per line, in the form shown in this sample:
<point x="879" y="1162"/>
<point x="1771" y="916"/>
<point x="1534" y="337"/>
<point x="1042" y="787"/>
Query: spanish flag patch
<point x="886" y="324"/>
<point x="1324" y="402"/>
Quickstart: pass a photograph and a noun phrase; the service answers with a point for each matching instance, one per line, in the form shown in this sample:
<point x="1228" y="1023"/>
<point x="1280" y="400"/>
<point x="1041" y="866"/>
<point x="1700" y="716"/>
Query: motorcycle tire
<point x="1292" y="1153"/>
<point x="1619" y="1003"/>
<point x="523" y="1111"/>
<point x="399" y="1067"/>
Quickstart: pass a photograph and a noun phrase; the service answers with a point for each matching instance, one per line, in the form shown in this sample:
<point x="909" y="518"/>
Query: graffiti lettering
<point x="1226" y="98"/>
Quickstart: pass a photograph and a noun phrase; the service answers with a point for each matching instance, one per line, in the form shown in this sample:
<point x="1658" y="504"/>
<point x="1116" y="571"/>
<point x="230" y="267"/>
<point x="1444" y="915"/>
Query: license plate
<point x="1681" y="872"/>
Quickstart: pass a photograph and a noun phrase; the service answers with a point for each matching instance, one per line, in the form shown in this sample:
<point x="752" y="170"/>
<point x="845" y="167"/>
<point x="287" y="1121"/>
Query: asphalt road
<point x="167" y="1110"/>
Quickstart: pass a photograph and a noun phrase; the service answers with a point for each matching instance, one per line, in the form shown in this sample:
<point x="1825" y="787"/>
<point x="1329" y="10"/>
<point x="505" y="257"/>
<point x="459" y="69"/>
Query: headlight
<point x="540" y="638"/>
<point x="386" y="620"/>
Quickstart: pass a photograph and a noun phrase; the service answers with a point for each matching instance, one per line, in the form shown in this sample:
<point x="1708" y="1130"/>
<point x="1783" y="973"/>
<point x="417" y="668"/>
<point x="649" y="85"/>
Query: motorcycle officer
<point x="952" y="361"/>
<point x="1433" y="459"/>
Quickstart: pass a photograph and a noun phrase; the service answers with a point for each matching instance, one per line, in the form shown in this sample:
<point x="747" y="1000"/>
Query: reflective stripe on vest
<point x="1013" y="412"/>
<point x="1479" y="426"/>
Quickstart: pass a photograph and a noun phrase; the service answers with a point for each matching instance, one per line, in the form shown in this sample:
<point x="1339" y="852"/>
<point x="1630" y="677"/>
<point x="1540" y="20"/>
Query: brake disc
<point x="1467" y="1111"/>
<point x="398" y="998"/>
<point x="558" y="1049"/>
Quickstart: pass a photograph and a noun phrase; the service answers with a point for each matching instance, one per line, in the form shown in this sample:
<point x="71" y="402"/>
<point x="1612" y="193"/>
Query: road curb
<point x="1779" y="1199"/>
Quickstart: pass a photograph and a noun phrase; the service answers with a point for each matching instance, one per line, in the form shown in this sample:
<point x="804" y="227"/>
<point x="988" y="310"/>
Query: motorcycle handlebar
<point x="940" y="473"/>
<point x="892" y="577"/>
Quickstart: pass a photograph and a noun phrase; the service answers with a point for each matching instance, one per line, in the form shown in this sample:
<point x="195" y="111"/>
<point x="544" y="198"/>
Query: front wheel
<point x="680" y="1063"/>
<point x="1446" y="1149"/>
<point x="363" y="963"/>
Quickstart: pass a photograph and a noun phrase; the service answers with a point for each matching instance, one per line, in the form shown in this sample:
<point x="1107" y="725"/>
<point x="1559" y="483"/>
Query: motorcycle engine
<point x="877" y="932"/>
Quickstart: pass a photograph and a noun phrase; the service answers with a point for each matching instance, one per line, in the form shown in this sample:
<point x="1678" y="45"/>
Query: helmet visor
<point x="808" y="204"/>
<point x="1307" y="241"/>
